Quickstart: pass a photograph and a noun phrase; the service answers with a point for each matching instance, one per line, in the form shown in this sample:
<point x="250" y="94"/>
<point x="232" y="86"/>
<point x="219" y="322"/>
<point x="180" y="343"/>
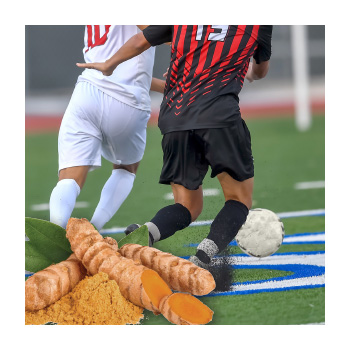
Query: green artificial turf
<point x="278" y="308"/>
<point x="283" y="157"/>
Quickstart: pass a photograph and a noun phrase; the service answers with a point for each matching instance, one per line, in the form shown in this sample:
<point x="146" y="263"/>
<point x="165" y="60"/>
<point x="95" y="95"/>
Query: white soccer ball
<point x="262" y="233"/>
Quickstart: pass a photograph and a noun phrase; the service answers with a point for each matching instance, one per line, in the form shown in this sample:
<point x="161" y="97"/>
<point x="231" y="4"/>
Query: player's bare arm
<point x="257" y="71"/>
<point x="158" y="85"/>
<point x="133" y="47"/>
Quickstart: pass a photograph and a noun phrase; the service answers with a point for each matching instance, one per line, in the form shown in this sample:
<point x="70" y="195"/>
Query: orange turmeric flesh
<point x="155" y="287"/>
<point x="189" y="309"/>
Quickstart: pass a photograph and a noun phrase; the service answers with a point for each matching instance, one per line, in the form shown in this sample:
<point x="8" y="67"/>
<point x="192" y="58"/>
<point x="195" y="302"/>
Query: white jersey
<point x="131" y="80"/>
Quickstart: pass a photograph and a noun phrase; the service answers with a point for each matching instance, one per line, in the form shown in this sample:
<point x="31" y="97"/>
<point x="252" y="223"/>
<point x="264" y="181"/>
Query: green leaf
<point x="48" y="240"/>
<point x="34" y="260"/>
<point x="139" y="236"/>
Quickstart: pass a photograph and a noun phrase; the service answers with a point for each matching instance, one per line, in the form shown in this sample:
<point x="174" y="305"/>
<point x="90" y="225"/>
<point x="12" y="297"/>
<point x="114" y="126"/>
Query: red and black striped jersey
<point x="206" y="73"/>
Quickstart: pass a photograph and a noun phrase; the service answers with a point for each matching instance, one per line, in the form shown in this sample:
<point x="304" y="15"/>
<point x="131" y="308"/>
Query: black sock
<point x="168" y="220"/>
<point x="227" y="223"/>
<point x="223" y="229"/>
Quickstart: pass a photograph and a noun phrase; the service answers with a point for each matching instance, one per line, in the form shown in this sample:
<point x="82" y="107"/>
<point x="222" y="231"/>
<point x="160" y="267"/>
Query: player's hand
<point x="166" y="73"/>
<point x="100" y="66"/>
<point x="249" y="75"/>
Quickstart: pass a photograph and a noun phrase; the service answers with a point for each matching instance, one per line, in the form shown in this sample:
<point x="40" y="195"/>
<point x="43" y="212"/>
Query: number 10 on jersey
<point x="96" y="35"/>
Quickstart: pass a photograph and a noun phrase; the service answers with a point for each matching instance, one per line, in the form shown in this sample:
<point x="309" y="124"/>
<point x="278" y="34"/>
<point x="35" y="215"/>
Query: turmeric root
<point x="185" y="309"/>
<point x="47" y="286"/>
<point x="112" y="242"/>
<point x="138" y="284"/>
<point x="179" y="274"/>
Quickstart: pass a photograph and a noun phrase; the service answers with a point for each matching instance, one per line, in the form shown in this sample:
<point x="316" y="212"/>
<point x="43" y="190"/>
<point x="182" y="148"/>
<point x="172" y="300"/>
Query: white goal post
<point x="303" y="117"/>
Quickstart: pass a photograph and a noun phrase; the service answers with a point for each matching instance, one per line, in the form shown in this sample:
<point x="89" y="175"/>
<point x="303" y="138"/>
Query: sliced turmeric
<point x="179" y="274"/>
<point x="47" y="286"/>
<point x="185" y="309"/>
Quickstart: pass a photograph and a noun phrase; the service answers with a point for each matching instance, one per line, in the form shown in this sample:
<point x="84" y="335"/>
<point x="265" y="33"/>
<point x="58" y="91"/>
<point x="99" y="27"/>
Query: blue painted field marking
<point x="308" y="271"/>
<point x="306" y="274"/>
<point x="298" y="270"/>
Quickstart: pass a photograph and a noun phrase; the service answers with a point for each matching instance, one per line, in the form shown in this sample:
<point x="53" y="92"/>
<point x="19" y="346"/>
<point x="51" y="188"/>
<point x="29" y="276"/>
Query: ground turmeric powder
<point x="96" y="300"/>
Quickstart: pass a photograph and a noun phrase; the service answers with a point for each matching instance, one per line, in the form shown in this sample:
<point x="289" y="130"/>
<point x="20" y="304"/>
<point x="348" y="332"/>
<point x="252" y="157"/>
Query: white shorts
<point x="96" y="124"/>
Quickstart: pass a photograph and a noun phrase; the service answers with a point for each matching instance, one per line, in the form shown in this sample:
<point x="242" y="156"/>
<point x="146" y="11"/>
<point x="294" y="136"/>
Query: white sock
<point x="62" y="201"/>
<point x="114" y="193"/>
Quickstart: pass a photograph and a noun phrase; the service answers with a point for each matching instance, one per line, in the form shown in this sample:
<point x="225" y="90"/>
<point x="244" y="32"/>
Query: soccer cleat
<point x="131" y="228"/>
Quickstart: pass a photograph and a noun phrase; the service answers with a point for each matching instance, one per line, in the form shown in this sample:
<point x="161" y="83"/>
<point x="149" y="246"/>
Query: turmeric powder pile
<point x="96" y="300"/>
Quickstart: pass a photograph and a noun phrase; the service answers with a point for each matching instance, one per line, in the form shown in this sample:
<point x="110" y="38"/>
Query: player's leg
<point x="172" y="218"/>
<point x="238" y="199"/>
<point x="124" y="141"/>
<point x="191" y="199"/>
<point x="79" y="151"/>
<point x="239" y="191"/>
<point x="114" y="192"/>
<point x="65" y="193"/>
<point x="76" y="173"/>
<point x="228" y="151"/>
<point x="183" y="169"/>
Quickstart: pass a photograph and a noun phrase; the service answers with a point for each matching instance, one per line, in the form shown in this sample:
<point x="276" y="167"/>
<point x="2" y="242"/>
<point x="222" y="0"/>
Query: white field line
<point x="295" y="214"/>
<point x="284" y="215"/>
<point x="296" y="282"/>
<point x="308" y="238"/>
<point x="208" y="192"/>
<point x="309" y="185"/>
<point x="46" y="206"/>
<point x="288" y="259"/>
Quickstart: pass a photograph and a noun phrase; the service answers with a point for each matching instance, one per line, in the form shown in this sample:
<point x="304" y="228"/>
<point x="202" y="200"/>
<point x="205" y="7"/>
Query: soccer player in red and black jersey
<point x="201" y="122"/>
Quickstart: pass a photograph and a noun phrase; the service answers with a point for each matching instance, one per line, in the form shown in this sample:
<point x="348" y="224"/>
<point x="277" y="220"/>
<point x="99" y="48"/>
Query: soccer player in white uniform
<point x="107" y="115"/>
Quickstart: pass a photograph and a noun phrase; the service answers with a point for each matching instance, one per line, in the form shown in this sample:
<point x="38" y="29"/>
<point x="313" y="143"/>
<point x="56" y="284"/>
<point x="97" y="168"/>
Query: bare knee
<point x="246" y="200"/>
<point x="241" y="191"/>
<point x="131" y="168"/>
<point x="190" y="199"/>
<point x="79" y="174"/>
<point x="195" y="210"/>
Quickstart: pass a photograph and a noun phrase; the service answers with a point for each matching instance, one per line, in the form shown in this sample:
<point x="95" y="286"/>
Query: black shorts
<point x="188" y="154"/>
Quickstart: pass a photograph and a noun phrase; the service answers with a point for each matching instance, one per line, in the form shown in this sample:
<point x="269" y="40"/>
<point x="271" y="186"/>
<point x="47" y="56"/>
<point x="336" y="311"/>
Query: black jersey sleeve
<point x="157" y="35"/>
<point x="263" y="51"/>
